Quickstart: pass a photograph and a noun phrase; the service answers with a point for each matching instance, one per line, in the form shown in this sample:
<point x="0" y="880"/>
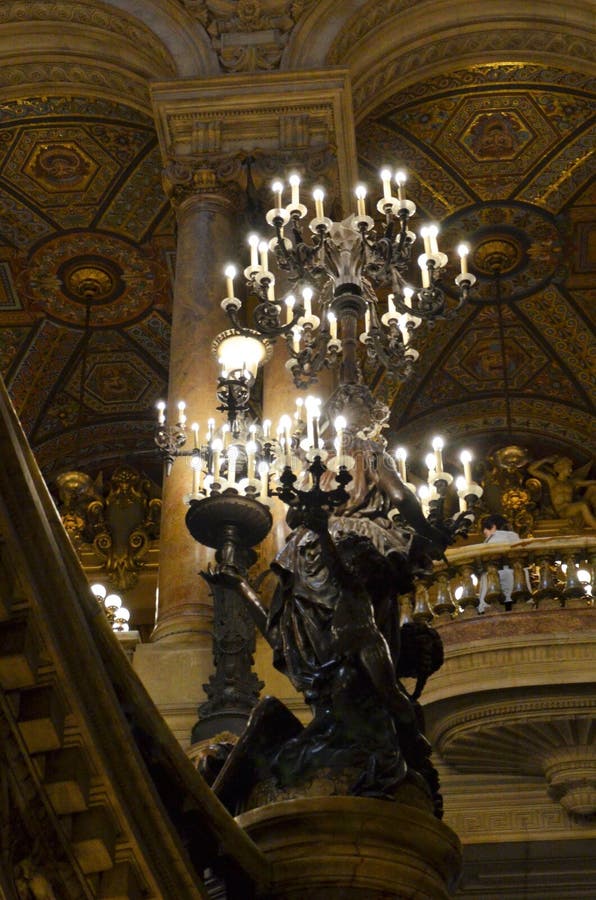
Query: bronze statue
<point x="333" y="625"/>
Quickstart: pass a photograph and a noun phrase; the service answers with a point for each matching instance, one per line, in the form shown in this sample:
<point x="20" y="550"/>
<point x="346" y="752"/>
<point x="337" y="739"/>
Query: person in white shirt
<point x="497" y="531"/>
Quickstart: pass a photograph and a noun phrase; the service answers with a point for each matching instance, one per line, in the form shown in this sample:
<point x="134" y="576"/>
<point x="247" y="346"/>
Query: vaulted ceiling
<point x="492" y="119"/>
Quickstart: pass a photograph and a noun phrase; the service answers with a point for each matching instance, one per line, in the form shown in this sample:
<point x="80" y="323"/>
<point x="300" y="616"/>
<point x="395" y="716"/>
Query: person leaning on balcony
<point x="497" y="531"/>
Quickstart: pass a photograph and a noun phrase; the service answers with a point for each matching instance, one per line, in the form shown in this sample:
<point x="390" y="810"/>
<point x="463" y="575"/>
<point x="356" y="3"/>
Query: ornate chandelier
<point x="333" y="304"/>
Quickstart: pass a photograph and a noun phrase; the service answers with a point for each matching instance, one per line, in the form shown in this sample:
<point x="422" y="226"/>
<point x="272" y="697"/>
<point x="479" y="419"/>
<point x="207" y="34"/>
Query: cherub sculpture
<point x="563" y="483"/>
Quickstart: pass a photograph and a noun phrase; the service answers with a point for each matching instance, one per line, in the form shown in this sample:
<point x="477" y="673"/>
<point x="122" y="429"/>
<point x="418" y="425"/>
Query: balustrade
<point x="544" y="573"/>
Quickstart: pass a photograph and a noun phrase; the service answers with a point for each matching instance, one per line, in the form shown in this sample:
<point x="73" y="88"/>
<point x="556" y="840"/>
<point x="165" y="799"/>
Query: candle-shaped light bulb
<point x="438" y="447"/>
<point x="210" y="429"/>
<point x="181" y="416"/>
<point x="424" y="271"/>
<point x="285" y="423"/>
<point x="195" y="465"/>
<point x="424" y="494"/>
<point x="263" y="470"/>
<point x="254" y="241"/>
<point x="431" y="464"/>
<point x="332" y="319"/>
<point x="299" y="414"/>
<point x="230" y="273"/>
<point x="296" y="333"/>
<point x="367" y="320"/>
<point x="340" y="426"/>
<point x="463" y="251"/>
<point x="266" y="429"/>
<point x="361" y="200"/>
<point x="289" y="301"/>
<point x="161" y="413"/>
<point x="307" y="297"/>
<point x="271" y="293"/>
<point x="216" y="447"/>
<point x="264" y="253"/>
<point x="408" y="293"/>
<point x="318" y="196"/>
<point x="225" y="430"/>
<point x="232" y="459"/>
<point x="433" y="232"/>
<point x="466" y="461"/>
<point x="425" y="235"/>
<point x="390" y="304"/>
<point x="460" y="484"/>
<point x="251" y="449"/>
<point x="195" y="434"/>
<point x="386" y="179"/>
<point x="277" y="188"/>
<point x="401" y="455"/>
<point x="400" y="178"/>
<point x="294" y="180"/>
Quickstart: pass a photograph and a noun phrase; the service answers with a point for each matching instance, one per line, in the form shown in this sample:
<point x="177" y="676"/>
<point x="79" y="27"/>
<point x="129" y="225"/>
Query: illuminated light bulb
<point x="216" y="447"/>
<point x="386" y="179"/>
<point x="425" y="235"/>
<point x="307" y="297"/>
<point x="438" y="447"/>
<point x="230" y="273"/>
<point x="277" y="188"/>
<point x="408" y="293"/>
<point x="318" y="196"/>
<point x="254" y="241"/>
<point x="264" y="253"/>
<point x="332" y="319"/>
<point x="294" y="180"/>
<point x="289" y="301"/>
<point x="433" y="232"/>
<point x="161" y="412"/>
<point x="463" y="251"/>
<point x="466" y="461"/>
<point x="98" y="591"/>
<point x="360" y="200"/>
<point x="400" y="178"/>
<point x="195" y="434"/>
<point x="181" y="416"/>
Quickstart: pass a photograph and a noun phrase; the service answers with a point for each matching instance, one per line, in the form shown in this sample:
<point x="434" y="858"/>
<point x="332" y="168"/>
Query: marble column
<point x="205" y="244"/>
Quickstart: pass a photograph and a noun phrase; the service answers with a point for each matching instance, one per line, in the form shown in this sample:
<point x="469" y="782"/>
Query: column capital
<point x="186" y="180"/>
<point x="276" y="121"/>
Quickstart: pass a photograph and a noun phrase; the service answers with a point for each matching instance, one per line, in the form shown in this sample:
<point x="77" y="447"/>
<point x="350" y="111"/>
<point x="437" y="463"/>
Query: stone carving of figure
<point x="563" y="483"/>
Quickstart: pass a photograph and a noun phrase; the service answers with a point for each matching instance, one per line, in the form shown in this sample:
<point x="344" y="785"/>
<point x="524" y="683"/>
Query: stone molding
<point x="85" y="76"/>
<point x="279" y="120"/>
<point x="107" y="26"/>
<point x="377" y="80"/>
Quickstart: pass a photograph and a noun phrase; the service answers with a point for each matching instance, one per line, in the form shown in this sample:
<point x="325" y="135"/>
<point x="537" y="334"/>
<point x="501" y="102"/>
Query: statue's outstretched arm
<point x="232" y="579"/>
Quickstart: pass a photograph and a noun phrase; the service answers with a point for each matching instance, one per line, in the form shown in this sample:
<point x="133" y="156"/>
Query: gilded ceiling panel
<point x="82" y="203"/>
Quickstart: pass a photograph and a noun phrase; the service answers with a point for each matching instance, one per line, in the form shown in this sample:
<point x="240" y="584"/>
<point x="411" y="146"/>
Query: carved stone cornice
<point x="88" y="76"/>
<point x="248" y="35"/>
<point x="277" y="121"/>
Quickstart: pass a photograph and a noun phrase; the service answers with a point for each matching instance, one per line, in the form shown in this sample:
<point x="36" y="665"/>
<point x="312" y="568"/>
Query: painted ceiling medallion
<point x="502" y="254"/>
<point x="60" y="167"/>
<point x="71" y="271"/>
<point x="519" y="242"/>
<point x="91" y="279"/>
